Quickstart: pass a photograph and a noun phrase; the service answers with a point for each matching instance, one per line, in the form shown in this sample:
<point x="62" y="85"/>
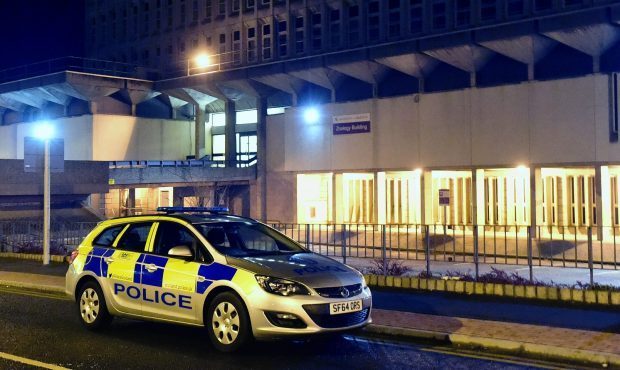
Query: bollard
<point x="343" y="236"/>
<point x="476" y="251"/>
<point x="427" y="249"/>
<point x="383" y="254"/>
<point x="590" y="262"/>
<point x="529" y="252"/>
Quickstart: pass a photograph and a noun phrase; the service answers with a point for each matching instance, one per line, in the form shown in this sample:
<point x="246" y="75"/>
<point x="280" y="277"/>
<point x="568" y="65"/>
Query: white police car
<point x="199" y="266"/>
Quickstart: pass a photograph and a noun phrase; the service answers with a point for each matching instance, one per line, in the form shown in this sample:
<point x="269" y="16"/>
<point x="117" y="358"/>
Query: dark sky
<point x="36" y="30"/>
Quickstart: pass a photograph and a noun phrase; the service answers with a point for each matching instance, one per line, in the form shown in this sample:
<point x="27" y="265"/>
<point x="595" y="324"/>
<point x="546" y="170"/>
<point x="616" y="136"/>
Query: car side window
<point x="171" y="234"/>
<point x="134" y="239"/>
<point x="108" y="236"/>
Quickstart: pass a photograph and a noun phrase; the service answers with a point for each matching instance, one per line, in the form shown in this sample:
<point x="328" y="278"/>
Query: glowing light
<point x="202" y="61"/>
<point x="522" y="169"/>
<point x="311" y="115"/>
<point x="44" y="131"/>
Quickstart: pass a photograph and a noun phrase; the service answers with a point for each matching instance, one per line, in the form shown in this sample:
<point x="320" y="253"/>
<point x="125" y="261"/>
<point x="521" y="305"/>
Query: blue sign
<point x="351" y="124"/>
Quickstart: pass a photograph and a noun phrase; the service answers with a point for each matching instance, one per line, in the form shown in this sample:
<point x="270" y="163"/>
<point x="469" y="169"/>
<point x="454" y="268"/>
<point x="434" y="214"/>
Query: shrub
<point x="392" y="268"/>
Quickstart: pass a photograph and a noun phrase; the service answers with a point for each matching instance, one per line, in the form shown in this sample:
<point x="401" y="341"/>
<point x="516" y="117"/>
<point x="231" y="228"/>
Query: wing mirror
<point x="181" y="251"/>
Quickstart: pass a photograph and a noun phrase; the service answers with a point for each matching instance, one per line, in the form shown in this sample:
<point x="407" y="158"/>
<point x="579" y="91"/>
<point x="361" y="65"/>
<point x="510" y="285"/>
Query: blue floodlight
<point x="311" y="115"/>
<point x="44" y="131"/>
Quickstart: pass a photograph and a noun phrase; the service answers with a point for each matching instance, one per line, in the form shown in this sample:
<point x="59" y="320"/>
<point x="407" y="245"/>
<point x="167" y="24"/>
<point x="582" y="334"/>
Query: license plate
<point x="345" y="307"/>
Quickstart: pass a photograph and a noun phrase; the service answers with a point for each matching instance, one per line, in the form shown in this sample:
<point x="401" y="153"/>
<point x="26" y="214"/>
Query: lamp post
<point x="200" y="61"/>
<point x="45" y="132"/>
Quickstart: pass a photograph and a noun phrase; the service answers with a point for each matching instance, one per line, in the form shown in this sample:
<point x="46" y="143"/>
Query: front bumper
<point x="313" y="310"/>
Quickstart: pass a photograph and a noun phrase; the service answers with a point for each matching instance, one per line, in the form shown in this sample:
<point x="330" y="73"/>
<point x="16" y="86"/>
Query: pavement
<point x="476" y="326"/>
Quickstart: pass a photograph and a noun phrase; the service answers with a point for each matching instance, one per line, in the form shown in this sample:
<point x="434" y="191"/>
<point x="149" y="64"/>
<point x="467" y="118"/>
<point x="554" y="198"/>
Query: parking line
<point x="27" y="361"/>
<point x="32" y="293"/>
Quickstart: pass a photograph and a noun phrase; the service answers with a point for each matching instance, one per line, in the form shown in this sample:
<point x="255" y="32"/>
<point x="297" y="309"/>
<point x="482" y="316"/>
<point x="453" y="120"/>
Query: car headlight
<point x="281" y="286"/>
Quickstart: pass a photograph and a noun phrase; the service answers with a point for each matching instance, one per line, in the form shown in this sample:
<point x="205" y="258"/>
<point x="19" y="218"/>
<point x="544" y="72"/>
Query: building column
<point x="426" y="197"/>
<point x="93" y="107"/>
<point x="477" y="184"/>
<point x="536" y="200"/>
<point x="261" y="156"/>
<point x="230" y="146"/>
<point x="131" y="201"/>
<point x="199" y="132"/>
<point x="530" y="71"/>
<point x="603" y="201"/>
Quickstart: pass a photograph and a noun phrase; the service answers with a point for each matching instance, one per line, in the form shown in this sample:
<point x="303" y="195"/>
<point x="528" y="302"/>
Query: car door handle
<point x="201" y="279"/>
<point x="150" y="267"/>
<point x="108" y="260"/>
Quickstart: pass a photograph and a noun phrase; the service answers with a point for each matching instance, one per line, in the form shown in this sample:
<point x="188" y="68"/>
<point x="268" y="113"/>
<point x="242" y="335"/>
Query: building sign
<point x="351" y="124"/>
<point x="444" y="197"/>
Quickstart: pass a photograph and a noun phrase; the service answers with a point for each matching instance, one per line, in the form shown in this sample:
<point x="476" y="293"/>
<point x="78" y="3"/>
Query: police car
<point x="239" y="278"/>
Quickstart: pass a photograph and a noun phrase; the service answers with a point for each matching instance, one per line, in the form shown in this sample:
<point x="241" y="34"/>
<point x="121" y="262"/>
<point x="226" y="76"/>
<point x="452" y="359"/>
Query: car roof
<point x="193" y="218"/>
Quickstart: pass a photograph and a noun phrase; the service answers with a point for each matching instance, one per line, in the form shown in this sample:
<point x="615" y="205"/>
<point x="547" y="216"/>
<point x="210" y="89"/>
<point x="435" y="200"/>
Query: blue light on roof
<point x="216" y="210"/>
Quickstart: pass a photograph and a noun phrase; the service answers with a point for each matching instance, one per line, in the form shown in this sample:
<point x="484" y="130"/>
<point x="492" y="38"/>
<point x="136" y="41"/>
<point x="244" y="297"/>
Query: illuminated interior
<point x="399" y="197"/>
<point x="314" y="198"/>
<point x="358" y="198"/>
<point x="506" y="194"/>
<point x="459" y="212"/>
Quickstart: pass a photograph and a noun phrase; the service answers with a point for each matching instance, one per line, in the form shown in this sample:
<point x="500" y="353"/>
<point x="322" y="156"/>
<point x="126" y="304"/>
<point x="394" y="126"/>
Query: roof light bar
<point x="214" y="210"/>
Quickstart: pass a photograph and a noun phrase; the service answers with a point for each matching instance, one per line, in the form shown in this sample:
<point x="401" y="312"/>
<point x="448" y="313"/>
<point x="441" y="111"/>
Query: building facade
<point x="508" y="107"/>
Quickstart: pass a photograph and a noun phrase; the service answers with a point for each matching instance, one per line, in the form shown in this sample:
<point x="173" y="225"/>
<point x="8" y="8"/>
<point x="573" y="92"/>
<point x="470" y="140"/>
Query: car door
<point x="122" y="267"/>
<point x="170" y="282"/>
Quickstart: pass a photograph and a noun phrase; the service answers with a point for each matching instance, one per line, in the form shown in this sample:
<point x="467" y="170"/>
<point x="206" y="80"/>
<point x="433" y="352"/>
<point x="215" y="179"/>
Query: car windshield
<point x="247" y="239"/>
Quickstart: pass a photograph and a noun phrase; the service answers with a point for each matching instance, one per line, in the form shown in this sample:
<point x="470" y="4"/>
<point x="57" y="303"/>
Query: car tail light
<point x="73" y="256"/>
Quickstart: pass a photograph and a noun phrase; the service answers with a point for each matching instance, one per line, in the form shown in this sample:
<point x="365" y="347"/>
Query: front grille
<point x="323" y="319"/>
<point x="336" y="292"/>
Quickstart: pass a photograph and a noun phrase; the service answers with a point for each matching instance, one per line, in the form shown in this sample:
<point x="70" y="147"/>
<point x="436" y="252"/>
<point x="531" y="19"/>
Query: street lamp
<point x="45" y="132"/>
<point x="311" y="115"/>
<point x="200" y="61"/>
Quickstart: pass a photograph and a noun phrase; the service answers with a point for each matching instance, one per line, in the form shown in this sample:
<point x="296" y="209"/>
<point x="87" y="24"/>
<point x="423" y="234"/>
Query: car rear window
<point x="107" y="236"/>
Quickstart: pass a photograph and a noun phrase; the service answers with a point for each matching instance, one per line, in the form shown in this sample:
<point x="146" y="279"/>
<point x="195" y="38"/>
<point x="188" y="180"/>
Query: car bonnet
<point x="311" y="269"/>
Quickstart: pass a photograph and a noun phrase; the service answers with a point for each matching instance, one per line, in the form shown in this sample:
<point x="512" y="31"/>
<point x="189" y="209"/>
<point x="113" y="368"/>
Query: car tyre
<point x="92" y="308"/>
<point x="228" y="323"/>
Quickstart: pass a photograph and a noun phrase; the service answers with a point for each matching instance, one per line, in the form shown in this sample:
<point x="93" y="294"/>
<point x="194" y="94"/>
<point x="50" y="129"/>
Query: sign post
<point x="444" y="202"/>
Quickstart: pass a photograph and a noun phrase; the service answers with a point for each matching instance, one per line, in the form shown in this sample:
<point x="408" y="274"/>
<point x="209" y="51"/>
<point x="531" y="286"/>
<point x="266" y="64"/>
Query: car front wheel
<point x="228" y="323"/>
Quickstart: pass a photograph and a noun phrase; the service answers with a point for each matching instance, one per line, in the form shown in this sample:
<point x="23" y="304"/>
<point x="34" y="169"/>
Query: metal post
<point x="383" y="256"/>
<point x="590" y="262"/>
<point x="476" y="251"/>
<point x="46" y="205"/>
<point x="427" y="249"/>
<point x="343" y="236"/>
<point x="308" y="236"/>
<point x="529" y="251"/>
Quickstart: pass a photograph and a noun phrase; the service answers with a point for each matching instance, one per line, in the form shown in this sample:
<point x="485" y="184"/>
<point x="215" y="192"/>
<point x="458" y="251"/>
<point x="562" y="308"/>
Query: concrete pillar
<point x="131" y="201"/>
<point x="380" y="196"/>
<point x="536" y="199"/>
<point x="375" y="90"/>
<point x="472" y="79"/>
<point x="261" y="160"/>
<point x="530" y="71"/>
<point x="477" y="184"/>
<point x="333" y="95"/>
<point x="230" y="134"/>
<point x="420" y="85"/>
<point x="133" y="109"/>
<point x="596" y="63"/>
<point x="603" y="201"/>
<point x="199" y="132"/>
<point x="93" y="107"/>
<point x="427" y="197"/>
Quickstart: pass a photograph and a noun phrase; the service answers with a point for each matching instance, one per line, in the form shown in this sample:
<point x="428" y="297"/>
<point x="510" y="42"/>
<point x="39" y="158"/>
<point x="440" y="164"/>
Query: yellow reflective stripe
<point x="120" y="235"/>
<point x="245" y="280"/>
<point x="151" y="237"/>
<point x="123" y="266"/>
<point x="180" y="275"/>
<point x="80" y="261"/>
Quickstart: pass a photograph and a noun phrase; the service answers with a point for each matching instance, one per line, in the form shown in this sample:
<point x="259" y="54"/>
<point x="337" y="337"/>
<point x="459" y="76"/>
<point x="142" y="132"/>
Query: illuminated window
<point x="459" y="185"/>
<point x="314" y="198"/>
<point x="358" y="198"/>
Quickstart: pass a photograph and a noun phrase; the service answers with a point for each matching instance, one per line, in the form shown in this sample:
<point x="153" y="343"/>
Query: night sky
<point x="36" y="30"/>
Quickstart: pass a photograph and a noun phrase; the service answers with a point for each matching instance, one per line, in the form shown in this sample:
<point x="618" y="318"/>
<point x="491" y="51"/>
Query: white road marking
<point x="30" y="362"/>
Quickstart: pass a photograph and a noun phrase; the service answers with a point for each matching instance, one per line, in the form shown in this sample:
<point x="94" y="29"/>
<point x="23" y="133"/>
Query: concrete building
<point x="511" y="105"/>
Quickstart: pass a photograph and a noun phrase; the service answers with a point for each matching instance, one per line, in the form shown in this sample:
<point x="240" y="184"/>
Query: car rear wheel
<point x="228" y="323"/>
<point x="92" y="308"/>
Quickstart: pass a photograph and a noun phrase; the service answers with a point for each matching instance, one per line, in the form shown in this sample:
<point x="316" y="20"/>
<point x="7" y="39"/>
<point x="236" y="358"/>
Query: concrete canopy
<point x="414" y="64"/>
<point x="367" y="71"/>
<point x="469" y="58"/>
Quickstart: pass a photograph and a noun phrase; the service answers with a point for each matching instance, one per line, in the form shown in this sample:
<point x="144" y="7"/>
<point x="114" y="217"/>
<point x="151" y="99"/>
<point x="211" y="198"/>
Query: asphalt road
<point x="46" y="329"/>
